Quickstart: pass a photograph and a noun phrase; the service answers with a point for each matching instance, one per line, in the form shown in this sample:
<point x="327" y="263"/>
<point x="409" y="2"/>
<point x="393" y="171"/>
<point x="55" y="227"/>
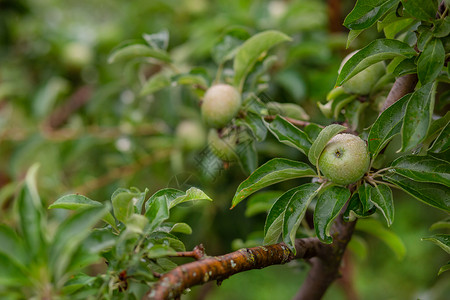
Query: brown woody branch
<point x="402" y="86"/>
<point x="322" y="256"/>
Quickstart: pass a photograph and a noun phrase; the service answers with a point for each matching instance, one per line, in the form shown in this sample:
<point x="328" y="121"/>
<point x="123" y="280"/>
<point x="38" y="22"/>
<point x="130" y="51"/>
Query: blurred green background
<point x="62" y="105"/>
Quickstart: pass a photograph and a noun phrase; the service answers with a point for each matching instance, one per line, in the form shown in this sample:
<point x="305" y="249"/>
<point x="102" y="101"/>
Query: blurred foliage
<point x="84" y="121"/>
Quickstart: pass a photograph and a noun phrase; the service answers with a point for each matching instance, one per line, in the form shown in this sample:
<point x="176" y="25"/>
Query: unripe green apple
<point x="363" y="82"/>
<point x="220" y="105"/>
<point x="345" y="159"/>
<point x="223" y="147"/>
<point x="190" y="135"/>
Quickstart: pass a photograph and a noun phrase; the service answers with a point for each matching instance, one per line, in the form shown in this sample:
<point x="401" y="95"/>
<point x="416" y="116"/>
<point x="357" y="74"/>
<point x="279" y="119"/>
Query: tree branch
<point x="219" y="268"/>
<point x="325" y="261"/>
<point x="402" y="86"/>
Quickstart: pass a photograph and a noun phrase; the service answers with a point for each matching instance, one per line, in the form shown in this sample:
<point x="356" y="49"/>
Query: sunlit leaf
<point x="273" y="171"/>
<point x="367" y="12"/>
<point x="295" y="211"/>
<point x="376" y="51"/>
<point x="423" y="168"/>
<point x="250" y="51"/>
<point x="433" y="194"/>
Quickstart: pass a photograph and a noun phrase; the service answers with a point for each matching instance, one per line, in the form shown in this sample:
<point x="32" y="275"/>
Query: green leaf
<point x="274" y="221"/>
<point x="431" y="61"/>
<point x="340" y="102"/>
<point x="376" y="51"/>
<point x="159" y="40"/>
<point x="295" y="211"/>
<point x="443" y="224"/>
<point x="394" y="29"/>
<point x="12" y="246"/>
<point x="444" y="268"/>
<point x="367" y="12"/>
<point x="321" y="141"/>
<point x="387" y="125"/>
<point x="423" y="168"/>
<point x="442" y="142"/>
<point x="392" y="240"/>
<point x="137" y="51"/>
<point x="157" y="212"/>
<point x="77" y="282"/>
<point x="123" y="205"/>
<point x="442" y="27"/>
<point x="168" y="195"/>
<point x="228" y="44"/>
<point x="289" y="135"/>
<point x="155" y="83"/>
<point x="407" y="66"/>
<point x="273" y="171"/>
<point x="69" y="236"/>
<point x="11" y="274"/>
<point x="312" y="130"/>
<point x="328" y="206"/>
<point x="433" y="194"/>
<point x="74" y="202"/>
<point x="31" y="214"/>
<point x="417" y="117"/>
<point x="256" y="124"/>
<point x="248" y="156"/>
<point x="355" y="209"/>
<point x="381" y="197"/>
<point x="181" y="228"/>
<point x="421" y="9"/>
<point x="364" y="197"/>
<point x="192" y="194"/>
<point x="250" y="51"/>
<point x="442" y="240"/>
<point x="352" y="35"/>
<point x="425" y="35"/>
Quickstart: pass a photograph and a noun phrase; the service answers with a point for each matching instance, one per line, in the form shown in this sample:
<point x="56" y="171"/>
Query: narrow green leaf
<point x="295" y="211"/>
<point x="250" y="51"/>
<point x="137" y="51"/>
<point x="376" y="51"/>
<point x="192" y="194"/>
<point x="407" y="66"/>
<point x="352" y="35"/>
<point x="417" y="117"/>
<point x="321" y="141"/>
<point x="330" y="203"/>
<point x="273" y="171"/>
<point x="69" y="236"/>
<point x="387" y="125"/>
<point x="340" y="102"/>
<point x="431" y="61"/>
<point x="168" y="195"/>
<point x="433" y="194"/>
<point x="155" y="83"/>
<point x="442" y="240"/>
<point x="289" y="135"/>
<point x="367" y="12"/>
<point x="77" y="282"/>
<point x="421" y="9"/>
<point x="392" y="240"/>
<point x="444" y="268"/>
<point x="158" y="40"/>
<point x="73" y="202"/>
<point x="256" y="124"/>
<point x="181" y="228"/>
<point x="313" y="130"/>
<point x="442" y="142"/>
<point x="425" y="35"/>
<point x="381" y="196"/>
<point x="364" y="196"/>
<point x="31" y="214"/>
<point x="443" y="224"/>
<point x="274" y="221"/>
<point x="423" y="168"/>
<point x="442" y="27"/>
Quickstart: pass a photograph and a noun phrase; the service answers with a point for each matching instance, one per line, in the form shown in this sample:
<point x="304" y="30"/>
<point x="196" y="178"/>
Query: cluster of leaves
<point x="135" y="244"/>
<point x="422" y="169"/>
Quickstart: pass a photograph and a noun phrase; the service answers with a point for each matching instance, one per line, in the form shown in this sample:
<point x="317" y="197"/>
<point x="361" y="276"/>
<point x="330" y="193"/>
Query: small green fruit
<point x="221" y="104"/>
<point x="363" y="82"/>
<point x="223" y="147"/>
<point x="190" y="135"/>
<point x="345" y="159"/>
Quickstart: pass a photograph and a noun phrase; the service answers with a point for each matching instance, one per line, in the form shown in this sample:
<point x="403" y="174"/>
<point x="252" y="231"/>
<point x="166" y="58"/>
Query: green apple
<point x="224" y="147"/>
<point x="345" y="159"/>
<point x="220" y="105"/>
<point x="363" y="82"/>
<point x="190" y="135"/>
